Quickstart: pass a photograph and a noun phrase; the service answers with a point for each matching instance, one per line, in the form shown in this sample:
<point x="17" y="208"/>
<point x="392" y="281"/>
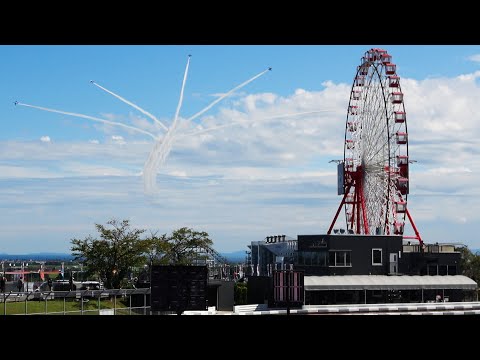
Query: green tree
<point x="111" y="256"/>
<point x="470" y="264"/>
<point x="156" y="249"/>
<point x="180" y="248"/>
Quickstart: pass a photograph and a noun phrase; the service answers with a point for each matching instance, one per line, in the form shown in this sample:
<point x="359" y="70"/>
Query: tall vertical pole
<point x="23" y="275"/>
<point x="288" y="273"/>
<point x="258" y="259"/>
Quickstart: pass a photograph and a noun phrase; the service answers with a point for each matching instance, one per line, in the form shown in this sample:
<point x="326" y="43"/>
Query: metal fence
<point x="80" y="302"/>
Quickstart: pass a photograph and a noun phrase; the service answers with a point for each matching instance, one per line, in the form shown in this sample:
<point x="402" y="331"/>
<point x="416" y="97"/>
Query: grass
<point x="70" y="306"/>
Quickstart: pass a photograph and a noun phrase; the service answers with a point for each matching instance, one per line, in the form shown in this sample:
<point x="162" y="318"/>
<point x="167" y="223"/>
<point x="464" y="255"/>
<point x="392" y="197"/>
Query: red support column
<point x="358" y="203"/>
<point x="338" y="211"/>
<point x="354" y="208"/>
<point x="418" y="237"/>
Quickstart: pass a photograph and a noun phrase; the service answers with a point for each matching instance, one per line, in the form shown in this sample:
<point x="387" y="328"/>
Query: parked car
<point x="63" y="285"/>
<point x="90" y="285"/>
<point x="91" y="289"/>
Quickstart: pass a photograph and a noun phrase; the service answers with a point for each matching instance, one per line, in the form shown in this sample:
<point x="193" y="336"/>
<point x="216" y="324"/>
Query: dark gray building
<point x="348" y="268"/>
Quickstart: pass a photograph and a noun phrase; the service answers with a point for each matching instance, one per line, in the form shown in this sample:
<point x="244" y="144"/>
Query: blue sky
<point x="59" y="175"/>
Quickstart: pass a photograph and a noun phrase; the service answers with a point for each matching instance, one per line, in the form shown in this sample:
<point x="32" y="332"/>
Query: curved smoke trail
<point x="131" y="104"/>
<point x="208" y="107"/>
<point x="89" y="118"/>
<point x="238" y="122"/>
<point x="162" y="147"/>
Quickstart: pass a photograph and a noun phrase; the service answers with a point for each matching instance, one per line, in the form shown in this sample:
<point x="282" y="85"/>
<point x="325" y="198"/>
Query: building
<point x="348" y="268"/>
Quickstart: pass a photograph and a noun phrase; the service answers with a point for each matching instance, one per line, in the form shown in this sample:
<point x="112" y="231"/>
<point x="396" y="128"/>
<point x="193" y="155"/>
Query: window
<point x="340" y="258"/>
<point x="452" y="270"/>
<point x="376" y="256"/>
<point x="331" y="258"/>
<point x="442" y="269"/>
<point x="432" y="270"/>
<point x="312" y="258"/>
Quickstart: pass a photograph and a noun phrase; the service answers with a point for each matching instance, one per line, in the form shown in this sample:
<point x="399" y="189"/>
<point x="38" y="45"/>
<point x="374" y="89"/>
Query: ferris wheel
<point x="374" y="174"/>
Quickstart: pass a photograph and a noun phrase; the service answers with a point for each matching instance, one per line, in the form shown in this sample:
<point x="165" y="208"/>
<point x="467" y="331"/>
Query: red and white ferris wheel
<point x="374" y="174"/>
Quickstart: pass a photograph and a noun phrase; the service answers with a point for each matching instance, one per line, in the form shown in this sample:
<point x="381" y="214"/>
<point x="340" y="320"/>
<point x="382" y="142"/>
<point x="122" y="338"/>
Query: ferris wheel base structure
<point x="373" y="176"/>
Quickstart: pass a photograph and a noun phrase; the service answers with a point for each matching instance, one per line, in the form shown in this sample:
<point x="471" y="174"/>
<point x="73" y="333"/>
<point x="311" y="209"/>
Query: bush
<point x="240" y="293"/>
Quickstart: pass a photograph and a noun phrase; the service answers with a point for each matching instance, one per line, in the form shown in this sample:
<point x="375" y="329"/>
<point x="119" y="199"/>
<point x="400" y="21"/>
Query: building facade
<point x="348" y="268"/>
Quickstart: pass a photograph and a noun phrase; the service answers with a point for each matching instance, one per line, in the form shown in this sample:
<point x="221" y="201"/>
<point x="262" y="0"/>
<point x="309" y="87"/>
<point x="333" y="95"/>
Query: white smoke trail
<point x="239" y="122"/>
<point x="180" y="101"/>
<point x="131" y="104"/>
<point x="162" y="148"/>
<point x="226" y="95"/>
<point x="89" y="118"/>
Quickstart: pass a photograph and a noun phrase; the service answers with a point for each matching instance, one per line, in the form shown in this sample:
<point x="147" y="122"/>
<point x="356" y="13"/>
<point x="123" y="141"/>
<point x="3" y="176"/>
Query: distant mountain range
<point x="37" y="256"/>
<point x="231" y="256"/>
<point x="235" y="256"/>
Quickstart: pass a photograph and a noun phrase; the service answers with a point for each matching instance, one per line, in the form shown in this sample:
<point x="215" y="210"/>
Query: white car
<point x="89" y="285"/>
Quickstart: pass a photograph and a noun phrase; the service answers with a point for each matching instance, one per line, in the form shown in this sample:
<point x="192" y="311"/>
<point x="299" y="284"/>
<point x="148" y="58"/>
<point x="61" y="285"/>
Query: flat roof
<point x="385" y="282"/>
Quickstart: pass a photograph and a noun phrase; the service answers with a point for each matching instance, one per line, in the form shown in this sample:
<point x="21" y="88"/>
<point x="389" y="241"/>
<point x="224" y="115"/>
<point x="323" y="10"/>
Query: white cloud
<point x="19" y="172"/>
<point x="451" y="170"/>
<point x="287" y="156"/>
<point x="461" y="220"/>
<point x="94" y="141"/>
<point x="117" y="139"/>
<point x="220" y="94"/>
<point x="262" y="175"/>
<point x="178" y="173"/>
<point x="45" y="139"/>
<point x="474" y="58"/>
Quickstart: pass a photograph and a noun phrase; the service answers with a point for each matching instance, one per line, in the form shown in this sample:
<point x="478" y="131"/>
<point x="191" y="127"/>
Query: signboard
<point x="340" y="179"/>
<point x="312" y="242"/>
<point x="288" y="288"/>
<point x="178" y="288"/>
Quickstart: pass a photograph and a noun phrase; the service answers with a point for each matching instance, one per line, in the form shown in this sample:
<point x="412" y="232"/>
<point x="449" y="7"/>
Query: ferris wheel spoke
<point x="375" y="131"/>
